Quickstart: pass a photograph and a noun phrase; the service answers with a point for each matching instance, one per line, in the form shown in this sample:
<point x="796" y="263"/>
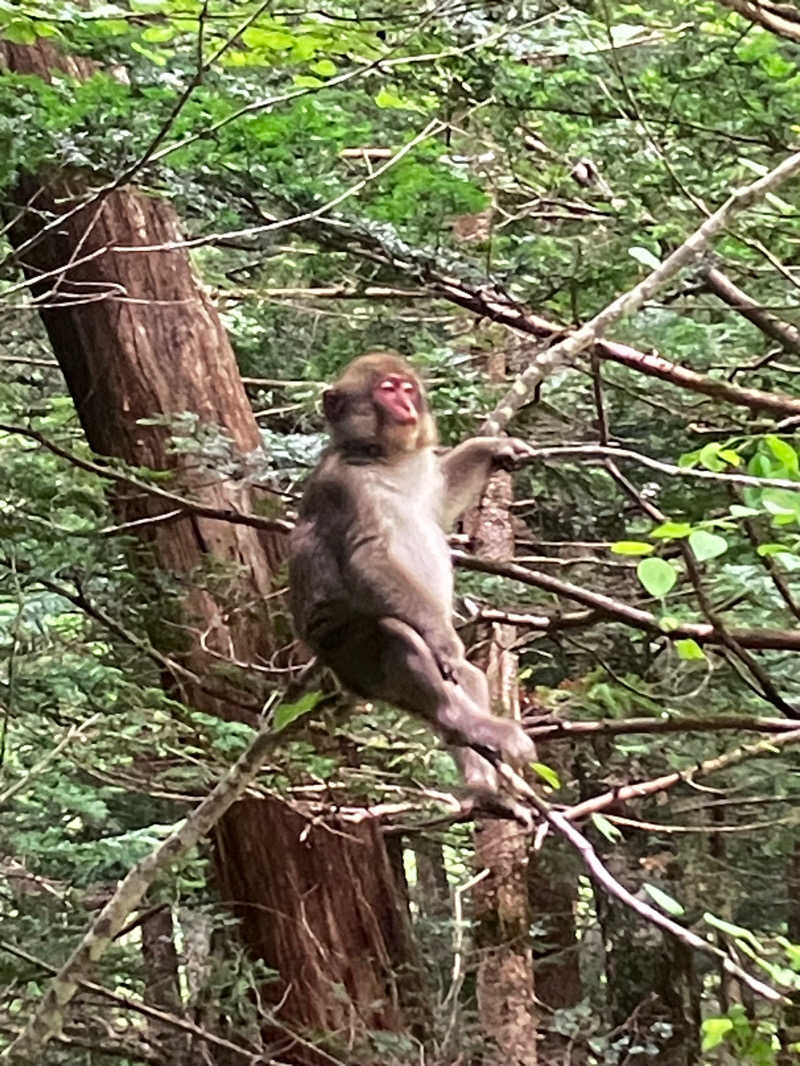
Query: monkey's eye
<point x="408" y="386"/>
<point x="388" y="385"/>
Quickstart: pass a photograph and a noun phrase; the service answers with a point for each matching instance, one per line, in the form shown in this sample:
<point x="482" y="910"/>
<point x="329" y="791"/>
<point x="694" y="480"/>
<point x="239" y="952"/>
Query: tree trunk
<point x="324" y="909"/>
<point x="502" y="937"/>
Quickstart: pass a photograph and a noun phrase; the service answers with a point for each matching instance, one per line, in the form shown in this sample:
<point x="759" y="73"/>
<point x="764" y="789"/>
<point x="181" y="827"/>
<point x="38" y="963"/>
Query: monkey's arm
<point x="467" y="468"/>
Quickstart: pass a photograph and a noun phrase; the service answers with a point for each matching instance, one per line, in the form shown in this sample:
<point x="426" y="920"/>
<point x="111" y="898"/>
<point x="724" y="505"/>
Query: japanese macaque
<point x="371" y="582"/>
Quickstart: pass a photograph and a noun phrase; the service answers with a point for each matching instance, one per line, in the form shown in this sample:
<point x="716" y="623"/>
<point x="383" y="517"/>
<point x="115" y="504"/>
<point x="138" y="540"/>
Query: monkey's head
<point x="379" y="401"/>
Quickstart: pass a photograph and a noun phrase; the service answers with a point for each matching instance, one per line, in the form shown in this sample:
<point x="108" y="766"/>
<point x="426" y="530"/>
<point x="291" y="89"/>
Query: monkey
<point x="370" y="572"/>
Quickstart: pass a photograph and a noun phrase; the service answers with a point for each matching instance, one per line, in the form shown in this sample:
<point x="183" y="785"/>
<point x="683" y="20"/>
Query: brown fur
<point x="370" y="573"/>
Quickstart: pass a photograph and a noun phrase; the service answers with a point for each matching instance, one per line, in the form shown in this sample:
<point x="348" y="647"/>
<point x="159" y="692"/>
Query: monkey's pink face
<point x="399" y="398"/>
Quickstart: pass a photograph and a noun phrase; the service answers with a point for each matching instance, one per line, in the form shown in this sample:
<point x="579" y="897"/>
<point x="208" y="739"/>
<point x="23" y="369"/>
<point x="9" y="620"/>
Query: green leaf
<point x="288" y="712"/>
<point x="709" y="457"/>
<point x="325" y="68"/>
<point x="689" y="650"/>
<point x="707" y="545"/>
<point x="665" y="902"/>
<point x="608" y="829"/>
<point x="738" y="932"/>
<point x="645" y="257"/>
<point x="631" y="547"/>
<point x="269" y="40"/>
<point x="657" y="576"/>
<point x="671" y="530"/>
<point x="389" y="99"/>
<point x="781" y="502"/>
<point x="547" y="773"/>
<point x="714" y="1032"/>
<point x="306" y="81"/>
<point x="738" y="511"/>
<point x="18" y="31"/>
<point x="730" y="456"/>
<point x="774" y="549"/>
<point x="783" y="452"/>
<point x="158" y="34"/>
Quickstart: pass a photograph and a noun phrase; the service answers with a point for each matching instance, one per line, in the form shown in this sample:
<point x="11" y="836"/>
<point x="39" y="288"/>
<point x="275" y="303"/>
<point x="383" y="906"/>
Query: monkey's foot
<point x="488" y="735"/>
<point x="498" y="805"/>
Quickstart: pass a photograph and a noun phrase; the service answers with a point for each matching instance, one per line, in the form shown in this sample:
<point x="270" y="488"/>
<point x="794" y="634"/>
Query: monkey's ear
<point x="333" y="404"/>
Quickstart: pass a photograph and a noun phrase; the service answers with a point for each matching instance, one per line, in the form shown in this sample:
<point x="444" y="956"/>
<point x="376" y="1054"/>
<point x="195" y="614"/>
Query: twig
<point x="743" y="753"/>
<point x="600" y="874"/>
<point x="138" y="1007"/>
<point x="758" y="639"/>
<point x="181" y="503"/>
<point x="777" y="17"/>
<point x="44" y="762"/>
<point x="563" y="823"/>
<point x="563" y="730"/>
<point x="599" y="453"/>
<point x="787" y="335"/>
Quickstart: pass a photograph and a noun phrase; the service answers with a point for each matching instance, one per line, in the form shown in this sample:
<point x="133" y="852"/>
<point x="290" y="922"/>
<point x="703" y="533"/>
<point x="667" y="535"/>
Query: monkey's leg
<point x="478" y="772"/>
<point x="386" y="659"/>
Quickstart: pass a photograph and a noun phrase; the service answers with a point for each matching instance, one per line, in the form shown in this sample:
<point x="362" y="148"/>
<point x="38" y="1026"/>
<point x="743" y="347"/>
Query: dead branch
<point x="757" y="639"/>
<point x="782" y="19"/>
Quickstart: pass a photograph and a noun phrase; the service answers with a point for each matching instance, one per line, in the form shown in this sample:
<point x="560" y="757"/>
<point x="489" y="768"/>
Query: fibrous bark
<point x="139" y="341"/>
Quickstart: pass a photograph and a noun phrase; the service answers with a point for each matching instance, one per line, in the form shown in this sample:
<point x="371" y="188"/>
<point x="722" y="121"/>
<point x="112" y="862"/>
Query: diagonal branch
<point x="703" y="633"/>
<point x="782" y="19"/>
<point x="523" y="389"/>
<point x="488" y="301"/>
<point x="786" y="334"/>
<point x="47" y="1020"/>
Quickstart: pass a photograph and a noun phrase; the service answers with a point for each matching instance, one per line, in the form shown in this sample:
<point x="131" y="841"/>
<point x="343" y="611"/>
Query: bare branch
<point x="599" y="453"/>
<point x="744" y="753"/>
<point x="73" y="732"/>
<point x="645" y="910"/>
<point x="782" y="19"/>
<point x="181" y="503"/>
<point x="487" y="301"/>
<point x="757" y="639"/>
<point x="564" y="729"/>
<point x="787" y="335"/>
<point x="48" y="1018"/>
<point x="629" y="302"/>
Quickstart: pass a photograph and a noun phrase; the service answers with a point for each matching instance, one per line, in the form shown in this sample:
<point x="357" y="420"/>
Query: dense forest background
<point x="208" y="854"/>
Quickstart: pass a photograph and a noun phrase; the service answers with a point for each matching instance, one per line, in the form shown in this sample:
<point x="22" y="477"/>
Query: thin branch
<point x="73" y="732"/>
<point x="129" y="1003"/>
<point x="48" y="1018"/>
<point x="569" y="730"/>
<point x="599" y="453"/>
<point x="780" y="18"/>
<point x="786" y="334"/>
<point x="743" y="753"/>
<point x="486" y="300"/>
<point x="181" y="503"/>
<point x="758" y="639"/>
<point x="629" y="302"/>
<point x="645" y="910"/>
<point x="562" y="822"/>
